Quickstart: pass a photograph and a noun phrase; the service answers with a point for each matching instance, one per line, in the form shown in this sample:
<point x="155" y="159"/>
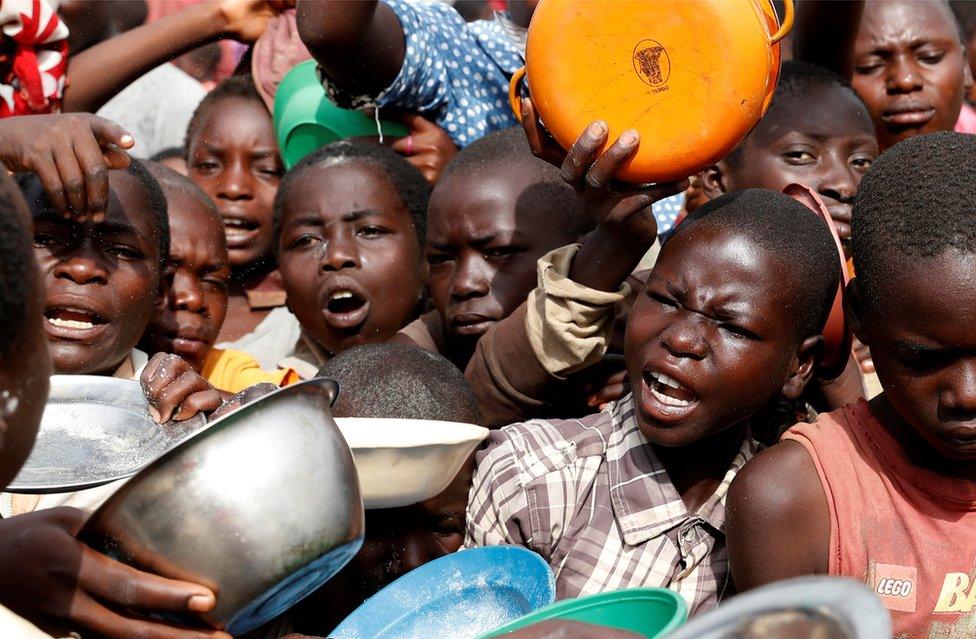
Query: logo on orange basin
<point x="651" y="62"/>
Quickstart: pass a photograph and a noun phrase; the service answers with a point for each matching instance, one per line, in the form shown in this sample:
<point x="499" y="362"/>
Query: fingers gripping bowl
<point x="263" y="507"/>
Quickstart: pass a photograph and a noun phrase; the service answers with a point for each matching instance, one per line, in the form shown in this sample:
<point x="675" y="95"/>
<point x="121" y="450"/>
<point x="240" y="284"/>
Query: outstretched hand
<point x="626" y="226"/>
<point x="57" y="582"/>
<point x="621" y="207"/>
<point x="71" y="154"/>
<point x="246" y="20"/>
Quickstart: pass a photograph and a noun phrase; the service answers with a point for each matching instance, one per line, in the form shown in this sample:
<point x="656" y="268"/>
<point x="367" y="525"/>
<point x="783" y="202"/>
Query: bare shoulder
<point x="778" y="522"/>
<point x="780" y="477"/>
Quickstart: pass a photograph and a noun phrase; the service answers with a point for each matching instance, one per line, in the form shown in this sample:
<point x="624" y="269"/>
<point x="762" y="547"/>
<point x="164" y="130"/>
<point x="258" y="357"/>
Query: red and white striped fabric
<point x="33" y="57"/>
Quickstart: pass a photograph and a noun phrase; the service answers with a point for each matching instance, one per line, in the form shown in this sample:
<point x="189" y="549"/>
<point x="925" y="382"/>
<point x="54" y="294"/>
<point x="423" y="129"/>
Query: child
<point x="232" y="154"/>
<point x="817" y="132"/>
<point x="196" y="299"/>
<point x="349" y="220"/>
<point x="883" y="492"/>
<point x="398" y="381"/>
<point x="102" y="278"/>
<point x="494" y="213"/>
<point x="103" y="283"/>
<point x="46" y="574"/>
<point x="729" y="320"/>
<point x="414" y="57"/>
<point x="913" y="80"/>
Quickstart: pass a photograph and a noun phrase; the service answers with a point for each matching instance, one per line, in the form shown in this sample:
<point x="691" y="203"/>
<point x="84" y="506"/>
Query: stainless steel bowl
<point x="263" y="507"/>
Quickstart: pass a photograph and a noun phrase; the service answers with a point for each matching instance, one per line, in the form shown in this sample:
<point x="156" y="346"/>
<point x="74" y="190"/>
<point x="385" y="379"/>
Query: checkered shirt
<point x="590" y="496"/>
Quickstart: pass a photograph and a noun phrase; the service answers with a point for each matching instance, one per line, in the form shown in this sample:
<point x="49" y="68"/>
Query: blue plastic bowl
<point x="461" y="596"/>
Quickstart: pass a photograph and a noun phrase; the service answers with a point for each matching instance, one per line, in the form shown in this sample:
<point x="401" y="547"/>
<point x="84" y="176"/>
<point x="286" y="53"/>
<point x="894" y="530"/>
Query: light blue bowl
<point x="460" y="596"/>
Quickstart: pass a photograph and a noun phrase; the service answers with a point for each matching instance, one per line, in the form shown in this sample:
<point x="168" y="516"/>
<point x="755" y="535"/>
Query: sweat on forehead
<point x="238" y="86"/>
<point x="915" y="202"/>
<point x="153" y="199"/>
<point x="786" y="229"/>
<point x="894" y="13"/>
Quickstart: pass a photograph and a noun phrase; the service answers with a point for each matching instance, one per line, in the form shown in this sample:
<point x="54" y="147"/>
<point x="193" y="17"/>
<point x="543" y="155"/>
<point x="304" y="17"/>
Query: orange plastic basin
<point x="836" y="332"/>
<point x="691" y="76"/>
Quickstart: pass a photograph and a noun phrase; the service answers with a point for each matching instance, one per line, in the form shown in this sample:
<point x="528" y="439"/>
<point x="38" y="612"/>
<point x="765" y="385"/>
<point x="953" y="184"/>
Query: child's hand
<point x="51" y="578"/>
<point x="428" y="147"/>
<point x="71" y="154"/>
<point x="621" y="208"/>
<point x="610" y="389"/>
<point x="246" y="396"/>
<point x="246" y="20"/>
<point x="175" y="390"/>
<point x="626" y="227"/>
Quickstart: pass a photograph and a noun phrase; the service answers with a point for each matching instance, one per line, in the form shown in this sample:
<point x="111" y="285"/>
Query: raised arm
<point x="570" y="322"/>
<point x="825" y="32"/>
<point x="778" y="525"/>
<point x="98" y="73"/>
<point x="359" y="43"/>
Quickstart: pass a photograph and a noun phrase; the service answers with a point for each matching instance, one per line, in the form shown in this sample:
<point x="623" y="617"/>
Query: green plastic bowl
<point x="650" y="612"/>
<point x="305" y="119"/>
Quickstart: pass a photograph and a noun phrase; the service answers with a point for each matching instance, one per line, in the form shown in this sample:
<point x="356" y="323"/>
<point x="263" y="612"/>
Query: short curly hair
<point x="400" y="381"/>
<point x="915" y="202"/>
<point x="407" y="181"/>
<point x="790" y="231"/>
<point x="551" y="195"/>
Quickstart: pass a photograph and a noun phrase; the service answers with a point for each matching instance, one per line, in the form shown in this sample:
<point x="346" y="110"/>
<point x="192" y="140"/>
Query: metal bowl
<point x="263" y="507"/>
<point x="95" y="430"/>
<point x="405" y="461"/>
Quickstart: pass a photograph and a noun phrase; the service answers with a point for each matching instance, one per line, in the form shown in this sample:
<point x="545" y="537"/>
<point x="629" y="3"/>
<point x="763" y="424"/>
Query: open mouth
<point x="238" y="231"/>
<point x="68" y="322"/>
<point x="345" y="308"/>
<point x="669" y="391"/>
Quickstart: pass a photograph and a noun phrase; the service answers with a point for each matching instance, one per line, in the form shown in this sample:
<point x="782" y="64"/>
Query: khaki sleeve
<point x="568" y="325"/>
<point x="563" y="327"/>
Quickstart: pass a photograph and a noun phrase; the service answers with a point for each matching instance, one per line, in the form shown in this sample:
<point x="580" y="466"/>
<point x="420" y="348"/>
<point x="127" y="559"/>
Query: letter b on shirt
<point x="958" y="594"/>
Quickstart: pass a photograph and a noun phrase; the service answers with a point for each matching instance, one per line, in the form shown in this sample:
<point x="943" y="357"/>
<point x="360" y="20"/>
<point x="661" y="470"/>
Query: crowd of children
<point x="648" y="357"/>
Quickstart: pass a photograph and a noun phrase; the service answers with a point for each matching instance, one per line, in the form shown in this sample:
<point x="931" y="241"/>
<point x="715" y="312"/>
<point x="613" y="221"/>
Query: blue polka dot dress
<point x="457" y="73"/>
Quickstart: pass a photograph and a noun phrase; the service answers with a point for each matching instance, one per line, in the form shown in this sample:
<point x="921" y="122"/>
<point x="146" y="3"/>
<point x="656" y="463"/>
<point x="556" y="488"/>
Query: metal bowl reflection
<point x="263" y="507"/>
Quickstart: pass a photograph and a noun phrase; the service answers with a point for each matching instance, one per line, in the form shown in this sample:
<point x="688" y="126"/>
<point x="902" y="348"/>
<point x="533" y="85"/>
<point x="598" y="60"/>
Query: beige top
<point x="568" y="325"/>
<point x="562" y="328"/>
<point x="89" y="499"/>
<point x="306" y="358"/>
<point x="14" y="627"/>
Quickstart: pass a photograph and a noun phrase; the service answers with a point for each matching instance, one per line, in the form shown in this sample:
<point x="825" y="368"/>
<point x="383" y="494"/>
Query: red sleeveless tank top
<point x="907" y="532"/>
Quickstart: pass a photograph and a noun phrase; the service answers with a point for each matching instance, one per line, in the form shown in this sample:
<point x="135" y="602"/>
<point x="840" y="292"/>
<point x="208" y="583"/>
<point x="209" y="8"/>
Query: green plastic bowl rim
<point x="559" y="609"/>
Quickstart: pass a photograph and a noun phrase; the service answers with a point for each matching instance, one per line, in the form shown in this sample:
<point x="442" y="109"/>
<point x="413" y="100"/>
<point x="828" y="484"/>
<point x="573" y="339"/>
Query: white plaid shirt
<point x="590" y="496"/>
